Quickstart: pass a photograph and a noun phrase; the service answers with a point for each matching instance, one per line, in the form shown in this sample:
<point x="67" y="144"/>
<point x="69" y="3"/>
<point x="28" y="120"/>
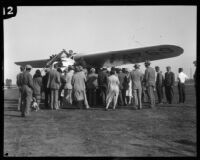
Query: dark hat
<point x="147" y="62"/>
<point x="157" y="67"/>
<point x="168" y="67"/>
<point x="136" y="65"/>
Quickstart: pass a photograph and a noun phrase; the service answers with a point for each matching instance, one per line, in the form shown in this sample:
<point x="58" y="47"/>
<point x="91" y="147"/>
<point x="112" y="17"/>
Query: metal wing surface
<point x="130" y="56"/>
<point x="34" y="64"/>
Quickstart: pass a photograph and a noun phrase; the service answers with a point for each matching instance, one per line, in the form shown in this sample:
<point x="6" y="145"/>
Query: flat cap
<point x="157" y="67"/>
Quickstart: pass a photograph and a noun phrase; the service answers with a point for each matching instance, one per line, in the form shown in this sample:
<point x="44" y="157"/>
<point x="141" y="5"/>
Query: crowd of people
<point x="97" y="87"/>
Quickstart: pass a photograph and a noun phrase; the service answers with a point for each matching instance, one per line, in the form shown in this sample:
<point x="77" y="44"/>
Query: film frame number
<point x="9" y="11"/>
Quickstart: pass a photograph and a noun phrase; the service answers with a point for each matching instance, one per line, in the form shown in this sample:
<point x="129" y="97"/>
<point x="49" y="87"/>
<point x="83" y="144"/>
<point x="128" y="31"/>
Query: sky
<point x="40" y="31"/>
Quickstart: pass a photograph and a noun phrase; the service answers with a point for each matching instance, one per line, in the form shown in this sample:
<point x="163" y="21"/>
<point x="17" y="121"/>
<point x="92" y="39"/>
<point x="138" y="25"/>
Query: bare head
<point x="157" y="68"/>
<point x="180" y="70"/>
<point x="168" y="68"/>
<point x="147" y="63"/>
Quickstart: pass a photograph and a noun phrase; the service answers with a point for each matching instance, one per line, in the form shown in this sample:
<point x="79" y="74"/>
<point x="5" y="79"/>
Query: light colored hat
<point x="28" y="66"/>
<point x="92" y="70"/>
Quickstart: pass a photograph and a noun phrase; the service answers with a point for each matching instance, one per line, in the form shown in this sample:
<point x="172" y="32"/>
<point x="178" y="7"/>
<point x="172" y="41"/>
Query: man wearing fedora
<point x="149" y="79"/>
<point x="27" y="91"/>
<point x="169" y="84"/>
<point x="136" y="77"/>
<point x="159" y="84"/>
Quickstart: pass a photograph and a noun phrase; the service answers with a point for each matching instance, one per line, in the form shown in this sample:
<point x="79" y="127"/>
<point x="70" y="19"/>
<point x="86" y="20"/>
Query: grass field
<point x="168" y="130"/>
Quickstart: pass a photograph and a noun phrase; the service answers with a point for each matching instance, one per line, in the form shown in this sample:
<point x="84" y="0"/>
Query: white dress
<point x="129" y="90"/>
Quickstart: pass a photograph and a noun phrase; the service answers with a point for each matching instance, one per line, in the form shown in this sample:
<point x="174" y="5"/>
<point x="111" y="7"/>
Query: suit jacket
<point x="45" y="81"/>
<point x="102" y="79"/>
<point x="136" y="77"/>
<point x="19" y="79"/>
<point x="169" y="79"/>
<point x="159" y="79"/>
<point x="27" y="79"/>
<point x="53" y="79"/>
<point x="121" y="77"/>
<point x="92" y="81"/>
<point x="149" y="77"/>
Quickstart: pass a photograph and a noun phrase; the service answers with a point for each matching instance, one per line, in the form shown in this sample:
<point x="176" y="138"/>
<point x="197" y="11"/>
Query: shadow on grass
<point x="10" y="115"/>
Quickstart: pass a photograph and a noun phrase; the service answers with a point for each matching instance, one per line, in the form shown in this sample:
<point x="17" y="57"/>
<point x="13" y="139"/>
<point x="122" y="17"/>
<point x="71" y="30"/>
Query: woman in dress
<point x="37" y="86"/>
<point x="129" y="94"/>
<point x="113" y="89"/>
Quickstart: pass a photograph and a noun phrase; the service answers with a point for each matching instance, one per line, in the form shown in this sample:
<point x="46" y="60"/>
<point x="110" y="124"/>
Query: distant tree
<point x="8" y="83"/>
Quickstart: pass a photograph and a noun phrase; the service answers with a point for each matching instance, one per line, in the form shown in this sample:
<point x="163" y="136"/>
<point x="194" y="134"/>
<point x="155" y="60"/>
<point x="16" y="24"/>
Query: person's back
<point x="78" y="81"/>
<point x="37" y="85"/>
<point x="53" y="79"/>
<point x="136" y="77"/>
<point x="113" y="83"/>
<point x="121" y="77"/>
<point x="19" y="79"/>
<point x="27" y="79"/>
<point x="150" y="76"/>
<point x="45" y="81"/>
<point x="92" y="81"/>
<point x="68" y="79"/>
<point x="102" y="78"/>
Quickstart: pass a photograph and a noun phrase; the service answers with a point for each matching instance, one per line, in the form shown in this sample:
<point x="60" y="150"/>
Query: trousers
<point x="137" y="95"/>
<point x="159" y="90"/>
<point x="181" y="92"/>
<point x="26" y="99"/>
<point x="151" y="96"/>
<point x="169" y="92"/>
<point x="54" y="98"/>
<point x="91" y="96"/>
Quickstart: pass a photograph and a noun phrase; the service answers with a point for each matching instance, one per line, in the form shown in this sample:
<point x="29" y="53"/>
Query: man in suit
<point x="26" y="91"/>
<point x="19" y="85"/>
<point x="54" y="85"/>
<point x="169" y="84"/>
<point x="92" y="87"/>
<point x="45" y="89"/>
<point x="159" y="84"/>
<point x="136" y="77"/>
<point x="102" y="81"/>
<point x="149" y="79"/>
<point x="121" y="76"/>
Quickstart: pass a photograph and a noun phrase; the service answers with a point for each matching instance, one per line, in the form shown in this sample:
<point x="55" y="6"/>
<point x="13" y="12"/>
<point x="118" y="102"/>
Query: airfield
<point x="168" y="130"/>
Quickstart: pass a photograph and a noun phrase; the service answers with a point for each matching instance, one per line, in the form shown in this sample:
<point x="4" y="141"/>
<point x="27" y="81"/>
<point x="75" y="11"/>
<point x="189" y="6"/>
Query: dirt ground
<point x="168" y="130"/>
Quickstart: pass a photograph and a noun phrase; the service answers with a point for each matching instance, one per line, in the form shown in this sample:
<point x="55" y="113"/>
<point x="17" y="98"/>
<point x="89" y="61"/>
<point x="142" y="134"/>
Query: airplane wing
<point x="130" y="56"/>
<point x="34" y="64"/>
